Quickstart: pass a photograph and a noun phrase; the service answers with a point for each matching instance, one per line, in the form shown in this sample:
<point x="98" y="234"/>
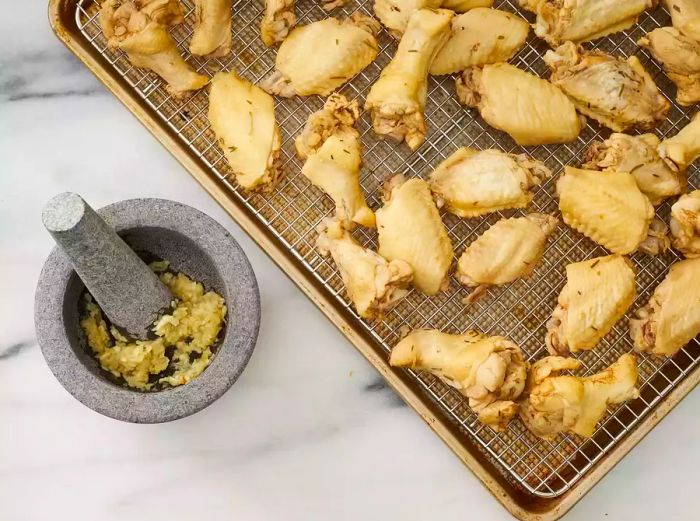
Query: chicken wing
<point x="530" y="109"/>
<point x="139" y="29"/>
<point x="490" y="371"/>
<point x="638" y="155"/>
<point x="394" y="14"/>
<point x="609" y="208"/>
<point x="671" y="318"/>
<point x="278" y="19"/>
<point x="243" y="118"/>
<point x="583" y="20"/>
<point x="320" y="57"/>
<point x="573" y="404"/>
<point x="397" y="98"/>
<point x="617" y="93"/>
<point x="410" y="228"/>
<point x="479" y="37"/>
<point x="679" y="57"/>
<point x="685" y="16"/>
<point x="682" y="149"/>
<point x="212" y="28"/>
<point x="598" y="292"/>
<point x="373" y="284"/>
<point x="685" y="224"/>
<point x="508" y="250"/>
<point x="333" y="153"/>
<point x="470" y="182"/>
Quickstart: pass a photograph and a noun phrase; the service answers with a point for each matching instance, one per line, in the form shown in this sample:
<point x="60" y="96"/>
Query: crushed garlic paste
<point x="188" y="333"/>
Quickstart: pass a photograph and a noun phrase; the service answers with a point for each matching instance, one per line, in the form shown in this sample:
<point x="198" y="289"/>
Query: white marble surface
<point x="308" y="432"/>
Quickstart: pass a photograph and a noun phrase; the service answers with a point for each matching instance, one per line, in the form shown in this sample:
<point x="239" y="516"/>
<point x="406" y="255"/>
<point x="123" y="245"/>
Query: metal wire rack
<point x="518" y="311"/>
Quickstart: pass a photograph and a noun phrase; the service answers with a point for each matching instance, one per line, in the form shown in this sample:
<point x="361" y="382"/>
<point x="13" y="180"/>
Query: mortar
<point x="195" y="245"/>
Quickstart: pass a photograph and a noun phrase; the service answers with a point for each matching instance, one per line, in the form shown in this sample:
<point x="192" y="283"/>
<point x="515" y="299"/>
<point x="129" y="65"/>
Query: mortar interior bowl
<point x="195" y="245"/>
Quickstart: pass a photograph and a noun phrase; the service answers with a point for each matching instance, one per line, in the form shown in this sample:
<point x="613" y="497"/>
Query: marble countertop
<point x="310" y="431"/>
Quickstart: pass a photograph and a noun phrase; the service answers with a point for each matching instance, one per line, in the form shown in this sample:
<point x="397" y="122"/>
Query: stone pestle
<point x="126" y="289"/>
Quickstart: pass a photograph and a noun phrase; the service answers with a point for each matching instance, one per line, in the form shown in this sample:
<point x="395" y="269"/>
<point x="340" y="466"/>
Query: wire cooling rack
<point x="518" y="311"/>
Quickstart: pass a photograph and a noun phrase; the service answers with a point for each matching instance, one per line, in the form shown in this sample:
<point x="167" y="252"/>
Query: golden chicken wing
<point x="685" y="16"/>
<point x="471" y="183"/>
<point x="609" y="208"/>
<point x="671" y="318"/>
<point x="212" y="28"/>
<point x="139" y="29"/>
<point x="278" y="19"/>
<point x="617" y="93"/>
<point x="685" y="224"/>
<point x="397" y="98"/>
<point x="638" y="155"/>
<point x="373" y="284"/>
<point x="333" y="153"/>
<point x="531" y="110"/>
<point x="682" y="149"/>
<point x="410" y="228"/>
<point x="243" y="118"/>
<point x="598" y="292"/>
<point x="490" y="371"/>
<point x="583" y="20"/>
<point x="508" y="250"/>
<point x="679" y="57"/>
<point x="479" y="37"/>
<point x="320" y="57"/>
<point x="573" y="404"/>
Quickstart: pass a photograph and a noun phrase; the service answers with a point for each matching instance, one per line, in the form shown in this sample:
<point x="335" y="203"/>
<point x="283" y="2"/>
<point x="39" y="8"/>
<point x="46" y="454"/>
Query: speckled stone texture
<point x="194" y="244"/>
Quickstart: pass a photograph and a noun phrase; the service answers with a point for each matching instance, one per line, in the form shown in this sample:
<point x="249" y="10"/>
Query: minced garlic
<point x="188" y="332"/>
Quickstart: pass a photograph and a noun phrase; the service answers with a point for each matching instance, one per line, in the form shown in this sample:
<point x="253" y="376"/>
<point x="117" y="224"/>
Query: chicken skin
<point x="394" y="14"/>
<point x="598" y="292"/>
<point x="507" y="251"/>
<point x="139" y="28"/>
<point x="397" y="98"/>
<point x="572" y="404"/>
<point x="685" y="224"/>
<point x="671" y="318"/>
<point x="278" y="19"/>
<point x="490" y="371"/>
<point x="685" y="16"/>
<point x="609" y="208"/>
<point x="471" y="183"/>
<point x="212" y="28"/>
<point x="333" y="152"/>
<point x="579" y="21"/>
<point x="682" y="149"/>
<point x="320" y="57"/>
<point x="479" y="37"/>
<point x="243" y="118"/>
<point x="373" y="284"/>
<point x="531" y="110"/>
<point x="410" y="228"/>
<point x="617" y="93"/>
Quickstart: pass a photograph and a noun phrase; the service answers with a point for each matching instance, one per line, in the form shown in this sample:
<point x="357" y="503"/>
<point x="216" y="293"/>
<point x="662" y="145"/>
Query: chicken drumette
<point x="212" y="28"/>
<point x="685" y="224"/>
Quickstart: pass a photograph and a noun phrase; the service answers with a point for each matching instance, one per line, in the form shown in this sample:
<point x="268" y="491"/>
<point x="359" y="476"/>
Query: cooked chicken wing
<point x="609" y="208"/>
<point x="334" y="155"/>
<point x="373" y="284"/>
<point x="685" y="224"/>
<point x="560" y="404"/>
<point x="598" y="292"/>
<point x="397" y="98"/>
<point x="212" y="28"/>
<point x="279" y="18"/>
<point x="243" y="118"/>
<point x="671" y="318"/>
<point x="320" y="57"/>
<point x="617" y="93"/>
<point x="479" y="37"/>
<point x="530" y="109"/>
<point x="139" y="29"/>
<point x="682" y="149"/>
<point x="508" y="250"/>
<point x="583" y="20"/>
<point x="471" y="182"/>
<point x="638" y="155"/>
<point x="410" y="228"/>
<point x="679" y="56"/>
<point x="394" y="14"/>
<point x="490" y="371"/>
<point x="685" y="16"/>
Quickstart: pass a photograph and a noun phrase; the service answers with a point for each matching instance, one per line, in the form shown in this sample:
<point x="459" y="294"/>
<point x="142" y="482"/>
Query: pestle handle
<point x="126" y="289"/>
